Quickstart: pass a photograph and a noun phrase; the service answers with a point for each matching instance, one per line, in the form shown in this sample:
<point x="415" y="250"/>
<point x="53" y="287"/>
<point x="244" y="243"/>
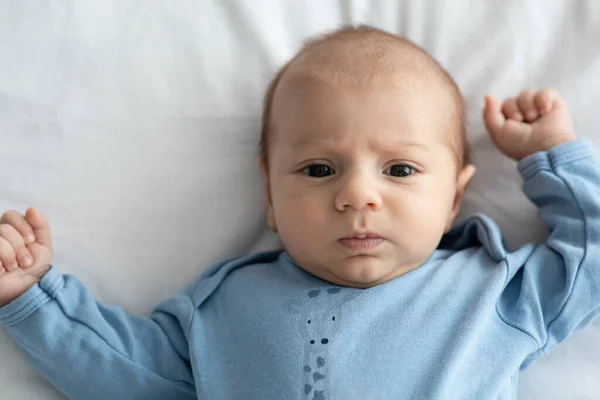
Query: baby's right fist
<point x="25" y="252"/>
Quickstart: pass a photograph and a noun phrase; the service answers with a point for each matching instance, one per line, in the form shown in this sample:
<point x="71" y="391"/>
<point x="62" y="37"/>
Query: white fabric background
<point x="133" y="126"/>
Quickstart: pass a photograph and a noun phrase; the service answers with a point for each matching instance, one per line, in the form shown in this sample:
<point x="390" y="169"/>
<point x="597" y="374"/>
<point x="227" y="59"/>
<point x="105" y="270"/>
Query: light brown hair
<point x="457" y="140"/>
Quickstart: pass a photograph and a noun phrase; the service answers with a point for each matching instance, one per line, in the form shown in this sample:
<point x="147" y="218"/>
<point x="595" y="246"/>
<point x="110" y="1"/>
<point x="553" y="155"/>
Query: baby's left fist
<point x="532" y="122"/>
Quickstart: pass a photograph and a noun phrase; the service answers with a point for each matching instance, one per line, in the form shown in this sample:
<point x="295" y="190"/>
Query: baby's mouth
<point x="362" y="241"/>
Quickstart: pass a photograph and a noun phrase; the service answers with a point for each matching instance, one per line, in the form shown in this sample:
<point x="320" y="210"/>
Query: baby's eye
<point x="400" y="170"/>
<point x="318" y="170"/>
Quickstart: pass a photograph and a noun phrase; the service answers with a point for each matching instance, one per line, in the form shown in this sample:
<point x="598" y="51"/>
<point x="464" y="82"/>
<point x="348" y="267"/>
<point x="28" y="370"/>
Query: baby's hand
<point x="532" y="122"/>
<point x="25" y="252"/>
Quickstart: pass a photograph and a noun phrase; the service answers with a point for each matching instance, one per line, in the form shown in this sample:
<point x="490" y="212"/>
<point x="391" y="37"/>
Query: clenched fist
<point x="531" y="122"/>
<point x="25" y="252"/>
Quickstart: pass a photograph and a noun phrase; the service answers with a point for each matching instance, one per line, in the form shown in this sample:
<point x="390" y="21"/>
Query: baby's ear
<point x="462" y="182"/>
<point x="465" y="176"/>
<point x="264" y="172"/>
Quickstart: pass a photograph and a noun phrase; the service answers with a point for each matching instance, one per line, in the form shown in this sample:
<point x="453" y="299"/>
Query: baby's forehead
<point x="360" y="66"/>
<point x="361" y="59"/>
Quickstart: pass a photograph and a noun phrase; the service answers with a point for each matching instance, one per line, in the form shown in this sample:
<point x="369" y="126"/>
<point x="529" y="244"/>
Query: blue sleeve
<point x="91" y="351"/>
<point x="553" y="289"/>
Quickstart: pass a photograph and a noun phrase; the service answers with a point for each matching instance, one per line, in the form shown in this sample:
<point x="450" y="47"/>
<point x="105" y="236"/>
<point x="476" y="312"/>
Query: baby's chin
<point x="362" y="271"/>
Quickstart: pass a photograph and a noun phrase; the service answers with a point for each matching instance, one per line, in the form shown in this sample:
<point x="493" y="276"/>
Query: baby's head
<point x="363" y="155"/>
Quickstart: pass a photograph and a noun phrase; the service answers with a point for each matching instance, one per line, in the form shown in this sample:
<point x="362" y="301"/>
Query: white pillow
<point x="133" y="126"/>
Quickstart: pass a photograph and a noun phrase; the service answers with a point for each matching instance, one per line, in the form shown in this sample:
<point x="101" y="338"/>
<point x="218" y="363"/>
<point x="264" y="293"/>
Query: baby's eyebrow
<point x="408" y="144"/>
<point x="305" y="142"/>
<point x="334" y="144"/>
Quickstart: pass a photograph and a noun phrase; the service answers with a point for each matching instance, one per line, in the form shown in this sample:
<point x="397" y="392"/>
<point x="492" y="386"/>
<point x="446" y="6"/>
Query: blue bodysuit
<point x="461" y="326"/>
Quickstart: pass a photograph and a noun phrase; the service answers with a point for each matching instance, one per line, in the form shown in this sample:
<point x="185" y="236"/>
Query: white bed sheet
<point x="133" y="126"/>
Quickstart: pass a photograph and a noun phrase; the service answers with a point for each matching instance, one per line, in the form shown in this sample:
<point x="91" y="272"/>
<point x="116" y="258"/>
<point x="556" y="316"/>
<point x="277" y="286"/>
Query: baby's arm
<point x="88" y="350"/>
<point x="551" y="289"/>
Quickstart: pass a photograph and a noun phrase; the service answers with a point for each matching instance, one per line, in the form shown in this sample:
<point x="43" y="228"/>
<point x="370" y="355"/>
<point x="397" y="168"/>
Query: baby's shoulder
<point x="479" y="230"/>
<point x="214" y="276"/>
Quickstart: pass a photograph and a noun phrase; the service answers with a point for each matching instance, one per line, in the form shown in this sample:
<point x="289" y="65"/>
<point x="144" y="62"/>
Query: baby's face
<point x="363" y="182"/>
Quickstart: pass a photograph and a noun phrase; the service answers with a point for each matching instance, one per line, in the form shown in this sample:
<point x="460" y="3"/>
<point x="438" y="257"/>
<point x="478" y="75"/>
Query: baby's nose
<point x="358" y="192"/>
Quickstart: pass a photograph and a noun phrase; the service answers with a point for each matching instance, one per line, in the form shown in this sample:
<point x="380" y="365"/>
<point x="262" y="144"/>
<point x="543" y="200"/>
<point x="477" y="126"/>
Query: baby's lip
<point x="362" y="241"/>
<point x="362" y="235"/>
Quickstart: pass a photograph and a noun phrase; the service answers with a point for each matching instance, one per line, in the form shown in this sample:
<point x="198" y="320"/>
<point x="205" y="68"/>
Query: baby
<point x="365" y="163"/>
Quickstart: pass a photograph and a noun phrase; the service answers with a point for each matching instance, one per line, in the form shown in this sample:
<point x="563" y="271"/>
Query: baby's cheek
<point x="300" y="224"/>
<point x="428" y="225"/>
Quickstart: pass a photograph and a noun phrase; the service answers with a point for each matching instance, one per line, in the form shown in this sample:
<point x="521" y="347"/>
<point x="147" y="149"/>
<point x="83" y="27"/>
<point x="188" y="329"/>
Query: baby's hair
<point x="458" y="140"/>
